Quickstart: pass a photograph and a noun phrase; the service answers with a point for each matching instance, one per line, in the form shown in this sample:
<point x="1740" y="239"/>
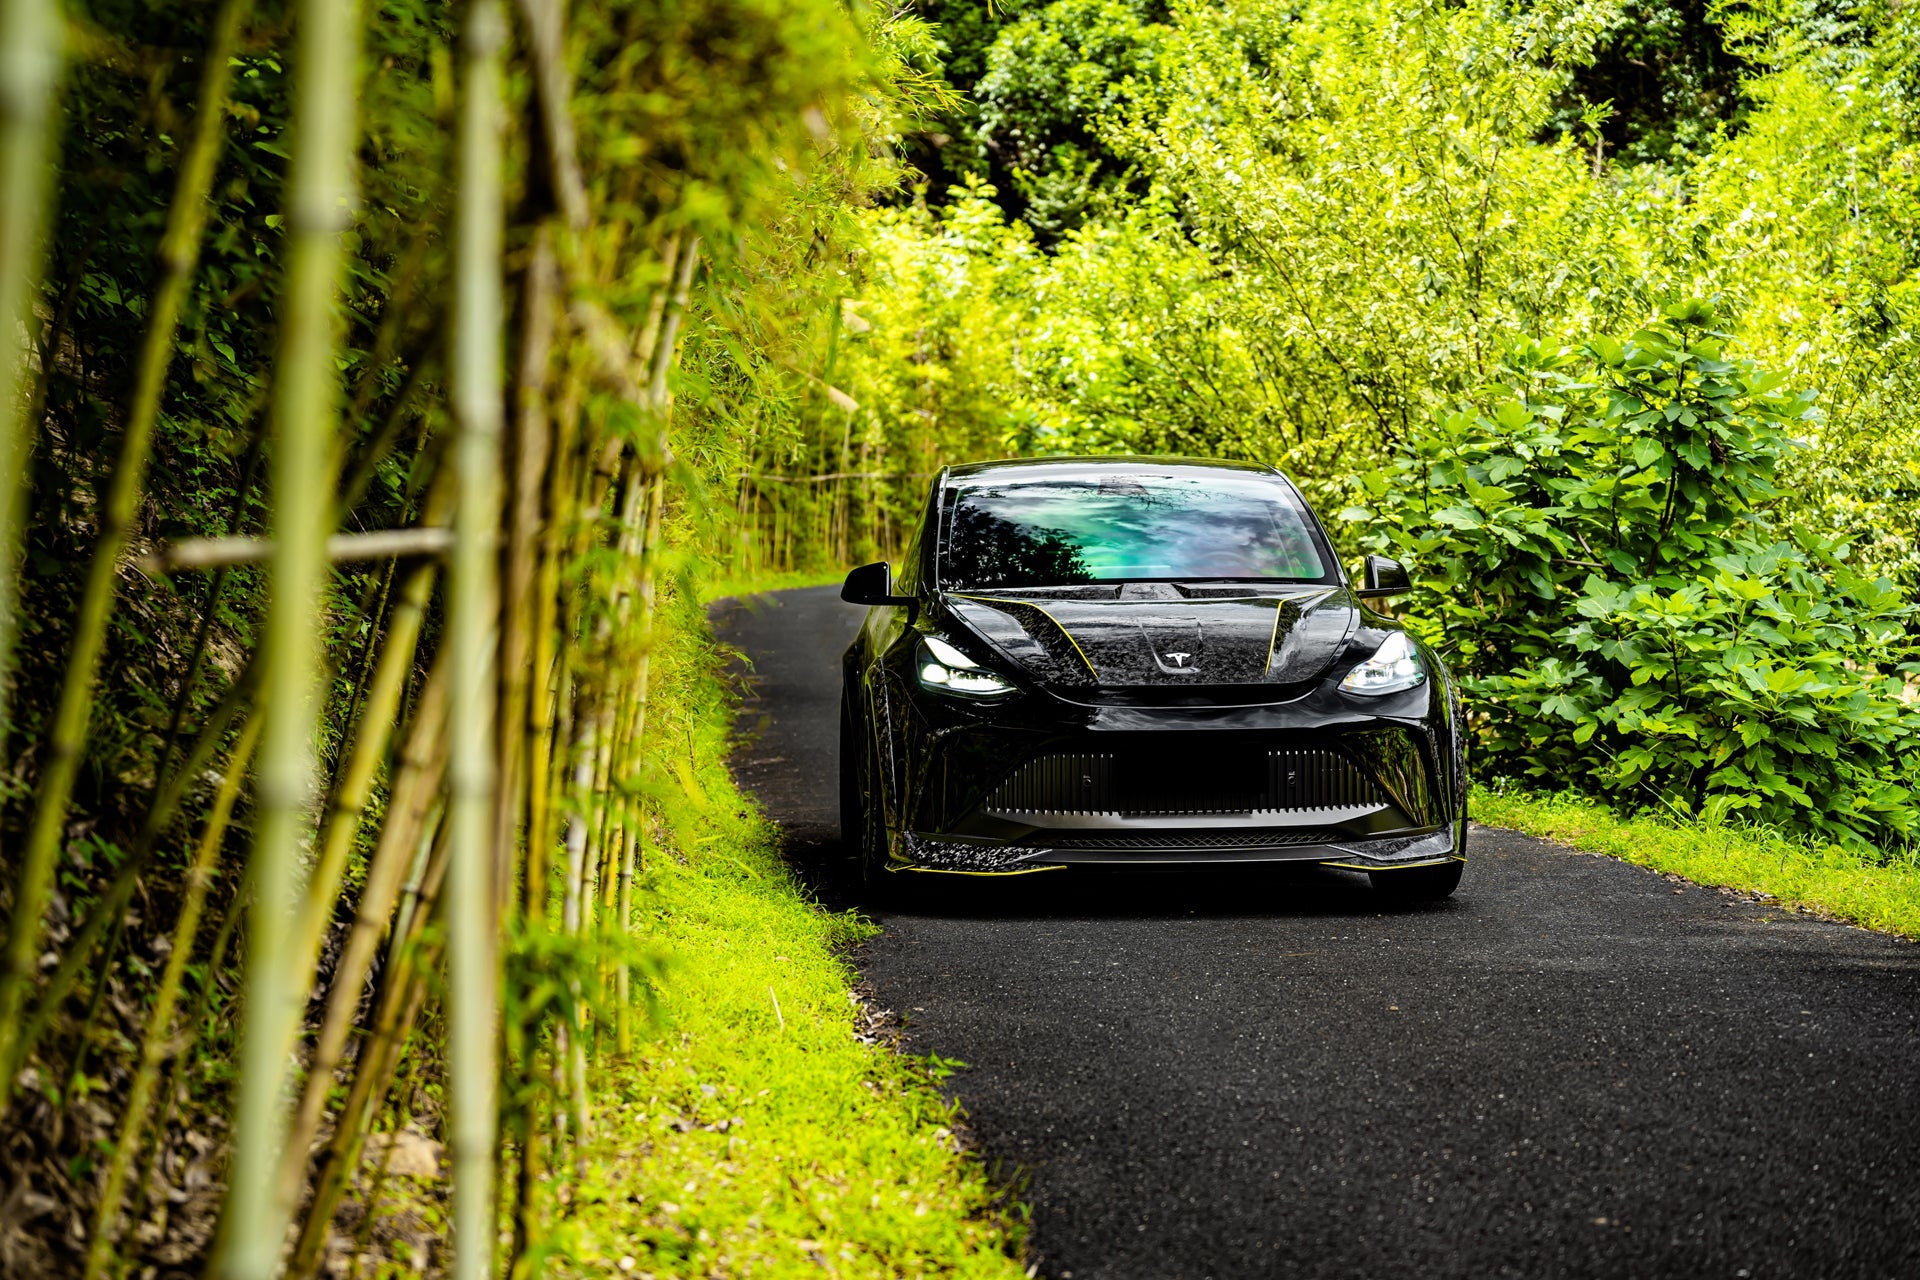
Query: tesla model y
<point x="1145" y="663"/>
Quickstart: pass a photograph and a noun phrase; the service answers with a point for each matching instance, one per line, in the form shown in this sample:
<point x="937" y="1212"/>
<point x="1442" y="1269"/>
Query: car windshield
<point x="1131" y="526"/>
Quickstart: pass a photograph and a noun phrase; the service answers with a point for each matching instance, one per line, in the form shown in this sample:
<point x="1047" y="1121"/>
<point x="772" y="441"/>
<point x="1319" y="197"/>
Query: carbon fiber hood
<point x="1162" y="636"/>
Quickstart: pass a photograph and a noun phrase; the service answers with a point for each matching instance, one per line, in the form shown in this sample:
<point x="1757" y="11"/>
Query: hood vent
<point x="1152" y="636"/>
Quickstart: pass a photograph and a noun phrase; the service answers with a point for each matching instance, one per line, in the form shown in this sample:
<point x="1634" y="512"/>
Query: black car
<point x="1142" y="662"/>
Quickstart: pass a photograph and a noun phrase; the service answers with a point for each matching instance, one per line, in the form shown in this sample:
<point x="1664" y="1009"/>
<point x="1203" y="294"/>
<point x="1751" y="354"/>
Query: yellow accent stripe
<point x="1273" y="641"/>
<point x="1398" y="866"/>
<point x="1043" y="613"/>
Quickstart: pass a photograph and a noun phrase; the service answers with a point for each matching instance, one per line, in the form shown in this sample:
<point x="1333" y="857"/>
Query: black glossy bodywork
<point x="1150" y="723"/>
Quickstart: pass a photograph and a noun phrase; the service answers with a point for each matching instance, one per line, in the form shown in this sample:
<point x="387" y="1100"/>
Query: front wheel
<point x="853" y="813"/>
<point x="1418" y="884"/>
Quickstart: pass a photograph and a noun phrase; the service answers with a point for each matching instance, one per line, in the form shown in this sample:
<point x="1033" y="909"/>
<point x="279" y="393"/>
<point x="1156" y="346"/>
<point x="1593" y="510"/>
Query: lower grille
<point x="1184" y="840"/>
<point x="1182" y="781"/>
<point x="1065" y="783"/>
<point x="1317" y="778"/>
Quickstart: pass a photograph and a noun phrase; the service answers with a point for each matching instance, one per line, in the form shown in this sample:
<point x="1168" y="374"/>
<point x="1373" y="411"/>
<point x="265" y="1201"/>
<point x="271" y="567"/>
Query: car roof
<point x="1072" y="468"/>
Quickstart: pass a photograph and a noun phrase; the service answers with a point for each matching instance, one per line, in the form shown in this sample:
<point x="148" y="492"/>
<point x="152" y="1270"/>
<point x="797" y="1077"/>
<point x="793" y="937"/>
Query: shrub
<point x="1592" y="545"/>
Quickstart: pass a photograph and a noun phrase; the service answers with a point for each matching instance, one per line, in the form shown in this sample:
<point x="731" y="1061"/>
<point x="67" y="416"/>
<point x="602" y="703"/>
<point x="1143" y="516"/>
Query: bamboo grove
<point x="376" y="374"/>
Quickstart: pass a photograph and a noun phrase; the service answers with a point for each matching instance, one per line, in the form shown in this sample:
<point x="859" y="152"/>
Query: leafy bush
<point x="1591" y="536"/>
<point x="1050" y="76"/>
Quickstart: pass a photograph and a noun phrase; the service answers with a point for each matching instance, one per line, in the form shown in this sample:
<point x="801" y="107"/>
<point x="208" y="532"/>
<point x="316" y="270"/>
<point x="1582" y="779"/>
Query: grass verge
<point x="762" y="1128"/>
<point x="789" y="581"/>
<point x="1883" y="895"/>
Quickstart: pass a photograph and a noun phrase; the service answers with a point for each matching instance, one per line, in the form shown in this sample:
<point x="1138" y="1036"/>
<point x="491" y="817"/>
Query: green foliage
<point x="1667" y="80"/>
<point x="1592" y="539"/>
<point x="1803" y="221"/>
<point x="1362" y="182"/>
<point x="1772" y="687"/>
<point x="1335" y="215"/>
<point x="1051" y="77"/>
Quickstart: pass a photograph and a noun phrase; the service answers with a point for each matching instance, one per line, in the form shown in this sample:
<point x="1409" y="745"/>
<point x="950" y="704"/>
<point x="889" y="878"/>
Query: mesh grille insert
<point x="1182" y="840"/>
<point x="1186" y="782"/>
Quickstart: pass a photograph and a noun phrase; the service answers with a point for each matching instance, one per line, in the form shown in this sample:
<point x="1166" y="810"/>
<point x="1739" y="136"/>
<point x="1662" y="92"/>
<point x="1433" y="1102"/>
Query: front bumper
<point x="1038" y="783"/>
<point x="958" y="856"/>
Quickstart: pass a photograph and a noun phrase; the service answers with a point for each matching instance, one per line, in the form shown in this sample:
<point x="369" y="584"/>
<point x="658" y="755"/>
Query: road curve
<point x="1574" y="1068"/>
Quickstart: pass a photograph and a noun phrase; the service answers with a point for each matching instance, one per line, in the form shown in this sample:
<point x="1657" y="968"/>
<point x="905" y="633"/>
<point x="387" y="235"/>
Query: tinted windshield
<point x="1042" y="533"/>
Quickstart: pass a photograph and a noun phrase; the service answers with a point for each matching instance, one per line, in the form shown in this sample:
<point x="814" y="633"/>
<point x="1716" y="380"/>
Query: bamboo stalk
<point x="408" y="833"/>
<point x="373" y="1074"/>
<point x="203" y="630"/>
<point x="341" y="830"/>
<point x="190" y="1034"/>
<point x="547" y="36"/>
<point x="649" y="337"/>
<point x="649" y="594"/>
<point x="573" y="907"/>
<point x="386" y="339"/>
<point x="102" y="979"/>
<point x="423" y="875"/>
<point x="665" y="350"/>
<point x="472" y="614"/>
<point x="159" y="1029"/>
<point x="402" y="992"/>
<point x="518" y="613"/>
<point x="647" y="550"/>
<point x="357" y="473"/>
<point x="306" y="405"/>
<point x="60" y="764"/>
<point x="356" y="780"/>
<point x="111" y="905"/>
<point x="400" y="856"/>
<point x="374" y="609"/>
<point x="549" y="657"/>
<point x="622" y="991"/>
<point x="400" y="1111"/>
<point x="29" y="80"/>
<point x="526" y="664"/>
<point x="340" y="548"/>
<point x="613" y="636"/>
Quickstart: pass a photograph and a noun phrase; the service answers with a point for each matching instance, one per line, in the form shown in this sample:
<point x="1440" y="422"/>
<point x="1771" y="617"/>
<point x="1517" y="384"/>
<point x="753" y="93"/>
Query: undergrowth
<point x="1881" y="894"/>
<point x="766" y="1126"/>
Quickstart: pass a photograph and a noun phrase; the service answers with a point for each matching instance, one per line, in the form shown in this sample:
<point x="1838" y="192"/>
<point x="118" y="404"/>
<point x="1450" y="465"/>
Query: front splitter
<point x="955" y="857"/>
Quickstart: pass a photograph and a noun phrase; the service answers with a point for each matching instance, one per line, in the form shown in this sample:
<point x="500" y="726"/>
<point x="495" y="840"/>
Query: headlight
<point x="1394" y="666"/>
<point x="945" y="668"/>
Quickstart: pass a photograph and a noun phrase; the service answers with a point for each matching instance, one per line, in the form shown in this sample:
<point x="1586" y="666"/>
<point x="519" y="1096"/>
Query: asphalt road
<point x="1573" y="1068"/>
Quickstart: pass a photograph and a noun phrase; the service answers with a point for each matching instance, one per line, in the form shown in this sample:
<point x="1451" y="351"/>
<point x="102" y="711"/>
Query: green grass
<point x="755" y="1132"/>
<point x="1880" y="894"/>
<point x="721" y="588"/>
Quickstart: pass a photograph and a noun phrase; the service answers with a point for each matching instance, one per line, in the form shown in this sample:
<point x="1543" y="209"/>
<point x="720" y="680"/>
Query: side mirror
<point x="872" y="584"/>
<point x="1385" y="577"/>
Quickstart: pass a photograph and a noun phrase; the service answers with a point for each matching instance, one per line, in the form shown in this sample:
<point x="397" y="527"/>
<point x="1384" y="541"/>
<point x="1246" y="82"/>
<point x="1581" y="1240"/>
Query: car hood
<point x="1167" y="640"/>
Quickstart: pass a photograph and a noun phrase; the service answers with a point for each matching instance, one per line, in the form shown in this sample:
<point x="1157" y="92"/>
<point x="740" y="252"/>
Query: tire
<point x="1418" y="884"/>
<point x="860" y="832"/>
<point x="1462" y="782"/>
<point x="853" y="811"/>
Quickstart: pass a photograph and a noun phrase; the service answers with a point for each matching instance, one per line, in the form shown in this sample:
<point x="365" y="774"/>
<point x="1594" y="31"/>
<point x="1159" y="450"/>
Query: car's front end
<point x="1012" y="725"/>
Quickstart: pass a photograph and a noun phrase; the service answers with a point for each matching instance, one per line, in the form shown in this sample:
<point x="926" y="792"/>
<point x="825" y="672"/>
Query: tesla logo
<point x="1178" y="659"/>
